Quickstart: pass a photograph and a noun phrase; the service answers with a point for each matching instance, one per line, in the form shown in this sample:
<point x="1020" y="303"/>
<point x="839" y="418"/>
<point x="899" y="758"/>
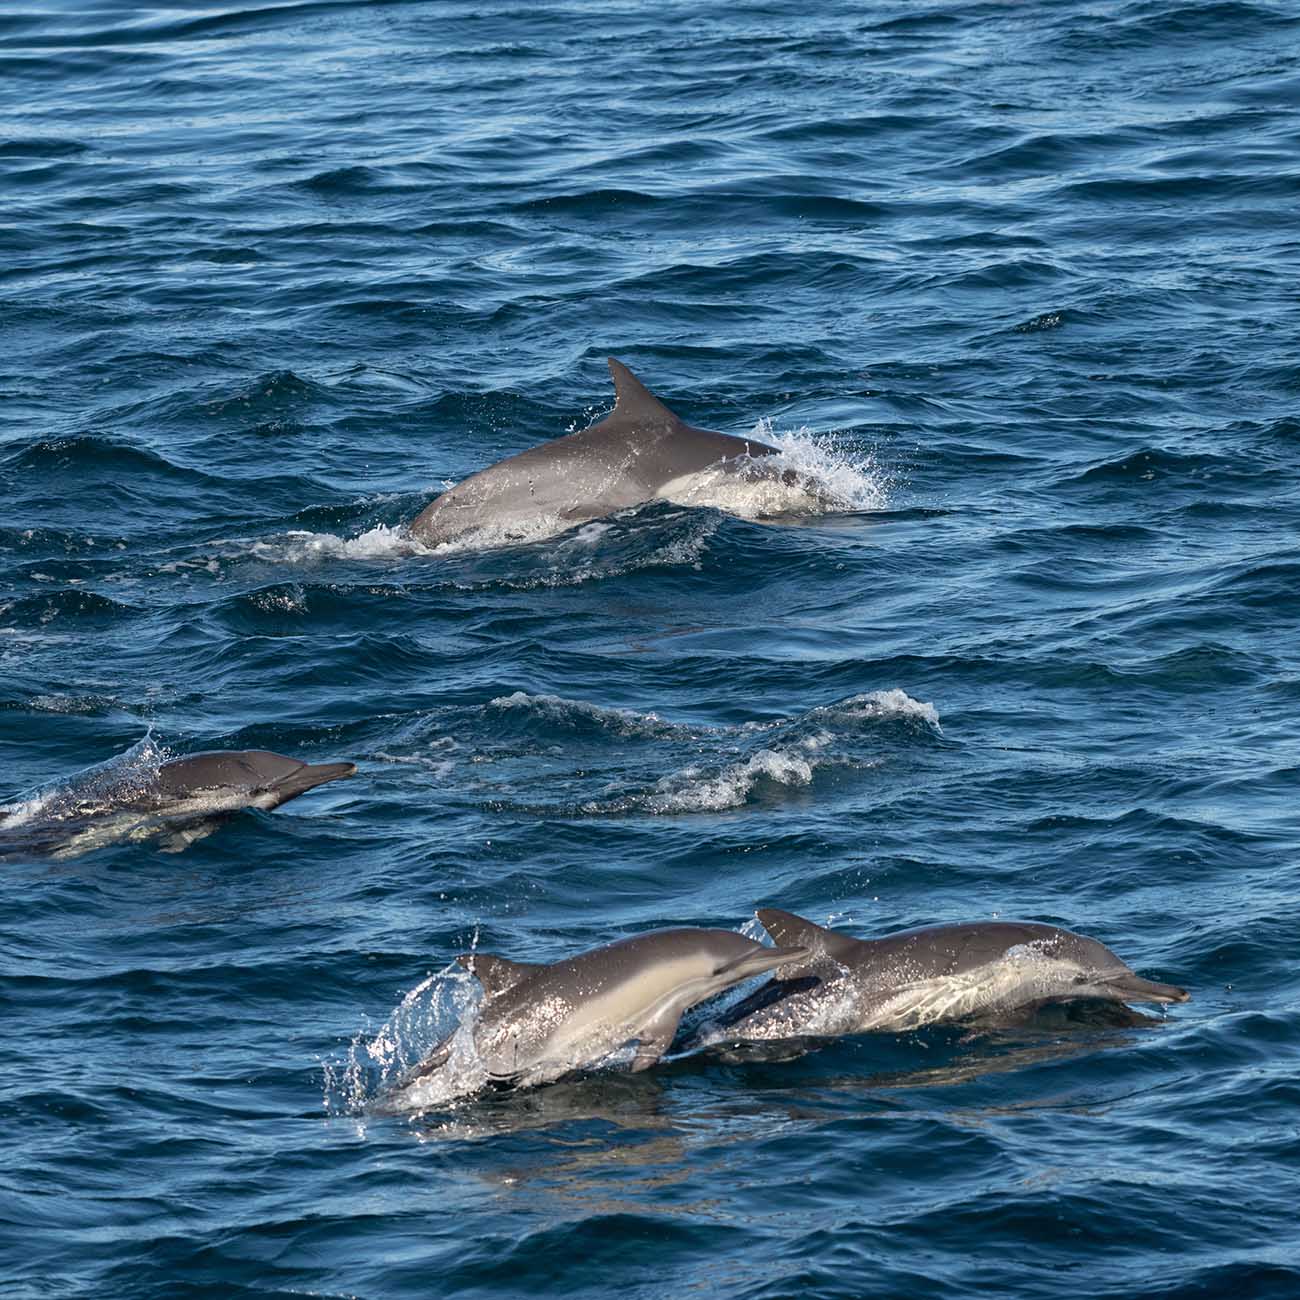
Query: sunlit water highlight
<point x="1013" y="284"/>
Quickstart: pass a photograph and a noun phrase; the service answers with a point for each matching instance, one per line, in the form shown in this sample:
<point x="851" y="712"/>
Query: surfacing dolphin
<point x="641" y="451"/>
<point x="178" y="801"/>
<point x="977" y="970"/>
<point x="538" y="1023"/>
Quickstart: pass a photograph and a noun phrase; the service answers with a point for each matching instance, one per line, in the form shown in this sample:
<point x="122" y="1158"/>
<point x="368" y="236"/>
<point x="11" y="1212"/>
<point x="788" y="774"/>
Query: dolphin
<point x="180" y="800"/>
<point x="538" y="1023"/>
<point x="639" y="452"/>
<point x="971" y="970"/>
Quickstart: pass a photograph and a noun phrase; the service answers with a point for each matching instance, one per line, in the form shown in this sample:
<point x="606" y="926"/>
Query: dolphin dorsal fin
<point x="790" y="930"/>
<point x="787" y="928"/>
<point x="496" y="974"/>
<point x="635" y="404"/>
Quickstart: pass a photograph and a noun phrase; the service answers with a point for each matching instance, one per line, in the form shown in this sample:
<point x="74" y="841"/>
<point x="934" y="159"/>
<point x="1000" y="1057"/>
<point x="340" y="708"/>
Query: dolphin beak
<point x="308" y="777"/>
<point x="1133" y="988"/>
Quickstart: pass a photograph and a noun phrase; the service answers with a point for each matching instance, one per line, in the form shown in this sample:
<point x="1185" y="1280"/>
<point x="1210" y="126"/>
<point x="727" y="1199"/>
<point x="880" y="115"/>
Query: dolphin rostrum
<point x="181" y="800"/>
<point x="540" y="1022"/>
<point x="637" y="453"/>
<point x="975" y="969"/>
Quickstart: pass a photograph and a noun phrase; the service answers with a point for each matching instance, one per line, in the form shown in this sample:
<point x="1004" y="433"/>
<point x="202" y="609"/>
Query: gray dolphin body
<point x="979" y="969"/>
<point x="629" y="457"/>
<point x="538" y="1023"/>
<point x="242" y="778"/>
<point x="178" y="801"/>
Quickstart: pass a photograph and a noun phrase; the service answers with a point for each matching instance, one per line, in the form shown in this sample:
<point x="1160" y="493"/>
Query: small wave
<point x="692" y="790"/>
<point x="878" y="705"/>
<point x="797" y="748"/>
<point x="44" y="608"/>
<point x="273" y="393"/>
<point x="553" y="711"/>
<point x="1151" y="463"/>
<point x="357" y="179"/>
<point x="119" y="457"/>
<point x="1050" y="320"/>
<point x="753" y="759"/>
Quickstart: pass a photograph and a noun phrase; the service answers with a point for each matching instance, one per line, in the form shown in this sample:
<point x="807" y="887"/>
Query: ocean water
<point x="1019" y="280"/>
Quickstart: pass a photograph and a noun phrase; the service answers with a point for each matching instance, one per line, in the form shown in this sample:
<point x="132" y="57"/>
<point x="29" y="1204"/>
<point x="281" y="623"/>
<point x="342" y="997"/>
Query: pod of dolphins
<point x="538" y="1023"/>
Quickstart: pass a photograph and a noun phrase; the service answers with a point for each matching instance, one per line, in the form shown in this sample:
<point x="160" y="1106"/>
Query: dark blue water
<point x="1023" y="277"/>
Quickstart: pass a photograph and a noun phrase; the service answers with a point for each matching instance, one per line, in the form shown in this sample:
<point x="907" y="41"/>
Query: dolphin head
<point x="266" y="779"/>
<point x="1102" y="974"/>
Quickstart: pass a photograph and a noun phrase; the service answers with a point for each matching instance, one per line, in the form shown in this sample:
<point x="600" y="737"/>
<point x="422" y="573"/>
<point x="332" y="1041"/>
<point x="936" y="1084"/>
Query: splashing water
<point x="809" y="475"/>
<point x="92" y="790"/>
<point x="369" y="1077"/>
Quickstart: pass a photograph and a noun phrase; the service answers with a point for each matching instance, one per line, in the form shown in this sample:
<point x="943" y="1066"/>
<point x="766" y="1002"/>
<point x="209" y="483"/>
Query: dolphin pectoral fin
<point x="583" y="510"/>
<point x="655" y="1039"/>
<point x="180" y="840"/>
<point x="434" y="1061"/>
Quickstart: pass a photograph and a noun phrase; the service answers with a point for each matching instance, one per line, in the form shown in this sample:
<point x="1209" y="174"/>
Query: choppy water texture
<point x="1025" y="276"/>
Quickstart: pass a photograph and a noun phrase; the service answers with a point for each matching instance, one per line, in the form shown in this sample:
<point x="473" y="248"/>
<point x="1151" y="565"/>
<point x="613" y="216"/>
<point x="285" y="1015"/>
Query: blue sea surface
<point x="1020" y="279"/>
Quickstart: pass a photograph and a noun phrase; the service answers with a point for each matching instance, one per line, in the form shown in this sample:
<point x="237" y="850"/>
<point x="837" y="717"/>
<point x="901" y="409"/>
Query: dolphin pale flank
<point x="977" y="969"/>
<point x="177" y="801"/>
<point x="538" y="1023"/>
<point x="637" y="453"/>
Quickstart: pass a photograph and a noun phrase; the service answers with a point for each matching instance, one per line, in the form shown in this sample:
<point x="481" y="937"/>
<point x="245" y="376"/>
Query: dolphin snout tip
<point x="332" y="771"/>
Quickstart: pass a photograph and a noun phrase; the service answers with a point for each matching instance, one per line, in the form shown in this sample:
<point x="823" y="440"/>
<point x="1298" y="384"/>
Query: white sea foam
<point x="695" y="790"/>
<point x="688" y="791"/>
<point x="513" y="532"/>
<point x="439" y="767"/>
<point x="302" y="547"/>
